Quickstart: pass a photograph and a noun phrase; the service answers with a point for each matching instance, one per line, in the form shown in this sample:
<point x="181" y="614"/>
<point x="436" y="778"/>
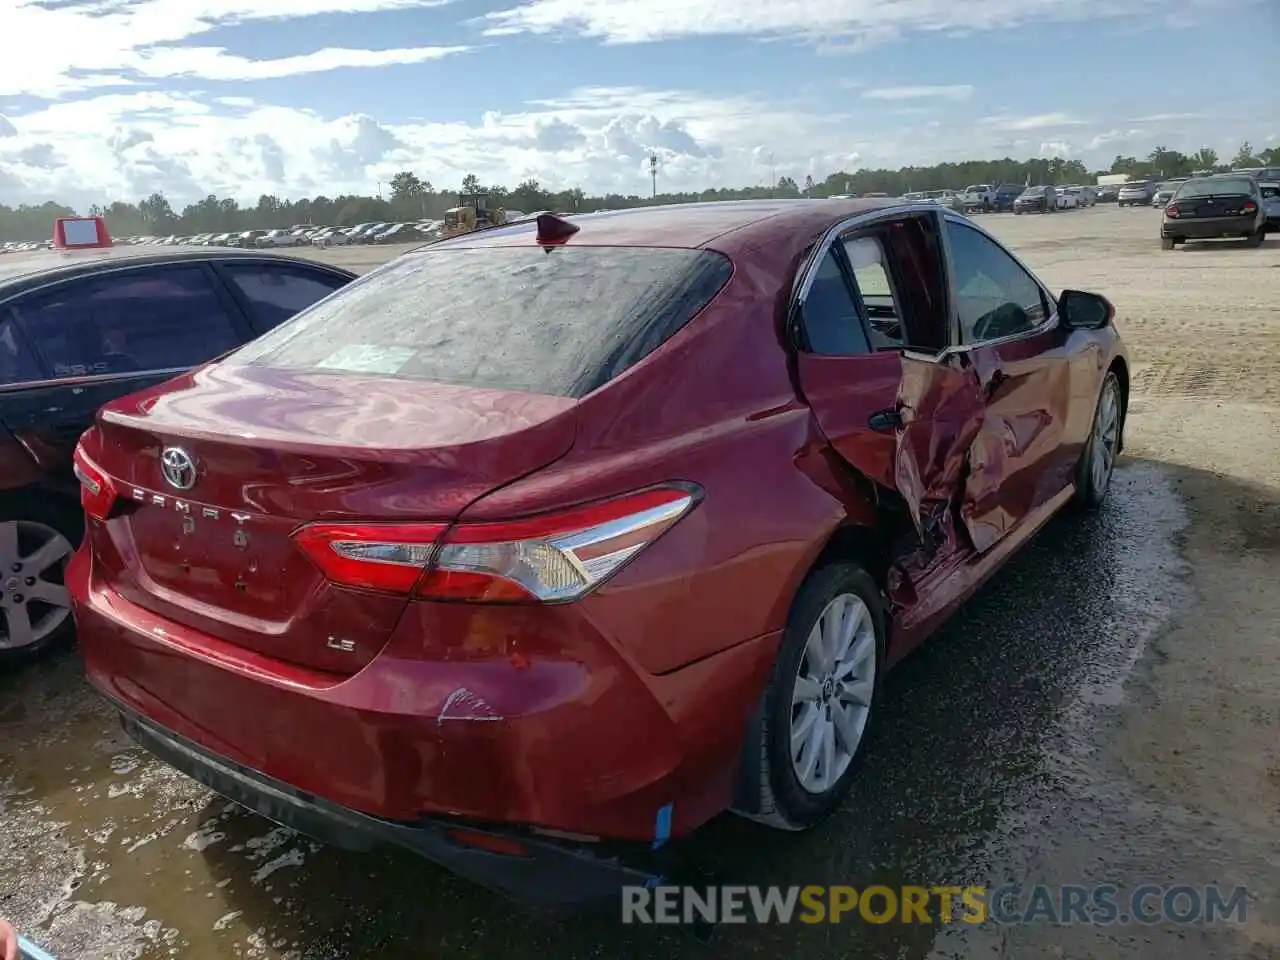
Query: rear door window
<point x="832" y="324"/>
<point x="131" y="321"/>
<point x="559" y="321"/>
<point x="275" y="292"/>
<point x="17" y="363"/>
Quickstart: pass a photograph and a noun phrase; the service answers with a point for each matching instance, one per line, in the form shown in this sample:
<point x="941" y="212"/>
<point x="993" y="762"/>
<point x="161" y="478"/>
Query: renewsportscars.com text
<point x="1099" y="904"/>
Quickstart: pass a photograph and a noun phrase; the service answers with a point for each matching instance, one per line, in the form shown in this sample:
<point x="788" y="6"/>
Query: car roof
<point x="689" y="225"/>
<point x="21" y="269"/>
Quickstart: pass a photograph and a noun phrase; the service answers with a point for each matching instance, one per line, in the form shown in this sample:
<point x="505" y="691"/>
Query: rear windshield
<point x="1215" y="186"/>
<point x="1033" y="192"/>
<point x="561" y="321"/>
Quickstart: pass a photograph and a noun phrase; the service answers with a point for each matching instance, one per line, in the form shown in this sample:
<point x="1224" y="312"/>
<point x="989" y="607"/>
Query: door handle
<point x="885" y="420"/>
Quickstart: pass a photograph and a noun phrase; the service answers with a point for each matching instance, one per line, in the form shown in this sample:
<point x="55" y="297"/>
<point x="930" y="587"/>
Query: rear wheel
<point x="1256" y="238"/>
<point x="1167" y="243"/>
<point x="806" y="737"/>
<point x="38" y="534"/>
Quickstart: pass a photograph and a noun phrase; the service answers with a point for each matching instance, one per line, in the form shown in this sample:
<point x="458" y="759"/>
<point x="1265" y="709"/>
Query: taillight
<point x="1249" y="207"/>
<point x="97" y="492"/>
<point x="372" y="556"/>
<point x="1172" y="211"/>
<point x="552" y="558"/>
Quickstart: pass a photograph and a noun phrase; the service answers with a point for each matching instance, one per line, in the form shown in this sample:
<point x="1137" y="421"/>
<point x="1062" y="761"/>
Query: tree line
<point x="412" y="198"/>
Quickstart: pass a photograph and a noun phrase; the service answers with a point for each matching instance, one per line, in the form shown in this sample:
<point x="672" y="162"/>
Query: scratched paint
<point x="463" y="704"/>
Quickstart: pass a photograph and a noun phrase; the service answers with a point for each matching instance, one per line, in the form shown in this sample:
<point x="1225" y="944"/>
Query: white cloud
<point x="48" y="52"/>
<point x="126" y="145"/>
<point x="957" y="92"/>
<point x="831" y="23"/>
<point x="1043" y="121"/>
<point x="214" y="63"/>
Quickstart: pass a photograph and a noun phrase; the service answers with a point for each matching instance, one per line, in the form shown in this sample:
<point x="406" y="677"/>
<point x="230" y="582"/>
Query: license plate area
<point x="232" y="559"/>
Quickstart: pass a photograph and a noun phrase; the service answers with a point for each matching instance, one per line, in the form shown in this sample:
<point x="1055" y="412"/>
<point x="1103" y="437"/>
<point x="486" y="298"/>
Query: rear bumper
<point x="543" y="873"/>
<point x="1208" y="229"/>
<point x="519" y="716"/>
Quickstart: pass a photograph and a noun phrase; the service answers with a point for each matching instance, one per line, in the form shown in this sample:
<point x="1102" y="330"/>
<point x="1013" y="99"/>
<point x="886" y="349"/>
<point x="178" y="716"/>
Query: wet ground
<point x="994" y="761"/>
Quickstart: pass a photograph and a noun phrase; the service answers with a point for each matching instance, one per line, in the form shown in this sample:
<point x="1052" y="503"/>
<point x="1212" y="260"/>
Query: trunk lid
<point x="1223" y="205"/>
<point x="274" y="449"/>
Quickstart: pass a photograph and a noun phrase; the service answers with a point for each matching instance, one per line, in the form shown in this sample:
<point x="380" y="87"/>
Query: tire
<point x="1167" y="243"/>
<point x="772" y="790"/>
<point x="33" y="601"/>
<point x="1092" y="479"/>
<point x="1255" y="239"/>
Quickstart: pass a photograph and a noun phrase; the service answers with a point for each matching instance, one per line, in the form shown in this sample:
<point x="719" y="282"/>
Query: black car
<point x="79" y="330"/>
<point x="1006" y="196"/>
<point x="1037" y="200"/>
<point x="1212" y="208"/>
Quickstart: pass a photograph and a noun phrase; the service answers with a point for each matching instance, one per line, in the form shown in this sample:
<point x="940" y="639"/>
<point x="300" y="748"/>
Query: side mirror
<point x="1079" y="310"/>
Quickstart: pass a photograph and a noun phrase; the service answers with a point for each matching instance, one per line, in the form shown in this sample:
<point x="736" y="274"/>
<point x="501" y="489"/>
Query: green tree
<point x="157" y="213"/>
<point x="1206" y="158"/>
<point x="1244" y="156"/>
<point x="471" y="183"/>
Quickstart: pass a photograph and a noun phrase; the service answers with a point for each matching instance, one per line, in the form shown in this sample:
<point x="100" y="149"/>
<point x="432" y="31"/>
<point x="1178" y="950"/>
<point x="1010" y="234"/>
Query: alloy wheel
<point x="1106" y="433"/>
<point x="34" y="601"/>
<point x="831" y="699"/>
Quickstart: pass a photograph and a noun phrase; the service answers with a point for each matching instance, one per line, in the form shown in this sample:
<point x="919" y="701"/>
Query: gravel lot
<point x="1106" y="709"/>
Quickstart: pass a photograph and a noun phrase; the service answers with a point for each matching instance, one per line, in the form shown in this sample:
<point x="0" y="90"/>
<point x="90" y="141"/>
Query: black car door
<point x="272" y="291"/>
<point x="102" y="336"/>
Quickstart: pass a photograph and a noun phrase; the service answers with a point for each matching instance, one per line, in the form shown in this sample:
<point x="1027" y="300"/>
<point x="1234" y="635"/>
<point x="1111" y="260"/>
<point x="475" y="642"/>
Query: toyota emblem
<point x="178" y="468"/>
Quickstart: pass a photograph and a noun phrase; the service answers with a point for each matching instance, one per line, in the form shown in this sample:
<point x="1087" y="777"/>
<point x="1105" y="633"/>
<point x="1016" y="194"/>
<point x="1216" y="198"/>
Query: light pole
<point x="653" y="172"/>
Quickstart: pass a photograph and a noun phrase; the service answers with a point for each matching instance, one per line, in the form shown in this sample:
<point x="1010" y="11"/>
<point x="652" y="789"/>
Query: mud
<point x="1104" y="711"/>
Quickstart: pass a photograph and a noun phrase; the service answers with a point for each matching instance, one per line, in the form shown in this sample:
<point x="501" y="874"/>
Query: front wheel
<point x="38" y="534"/>
<point x="1097" y="460"/>
<point x="806" y="736"/>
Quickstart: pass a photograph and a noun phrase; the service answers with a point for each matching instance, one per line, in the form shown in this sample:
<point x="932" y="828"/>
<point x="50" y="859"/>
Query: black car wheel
<point x="1167" y="243"/>
<point x="1256" y="238"/>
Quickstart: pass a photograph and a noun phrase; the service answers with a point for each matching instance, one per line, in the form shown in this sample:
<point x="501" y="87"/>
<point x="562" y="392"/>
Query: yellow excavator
<point x="471" y="213"/>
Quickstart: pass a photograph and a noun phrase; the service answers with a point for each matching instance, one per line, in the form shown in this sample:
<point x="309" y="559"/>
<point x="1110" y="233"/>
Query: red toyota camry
<point x="534" y="549"/>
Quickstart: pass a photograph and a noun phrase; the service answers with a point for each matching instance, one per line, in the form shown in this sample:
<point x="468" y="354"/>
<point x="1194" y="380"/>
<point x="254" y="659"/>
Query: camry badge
<point x="178" y="468"/>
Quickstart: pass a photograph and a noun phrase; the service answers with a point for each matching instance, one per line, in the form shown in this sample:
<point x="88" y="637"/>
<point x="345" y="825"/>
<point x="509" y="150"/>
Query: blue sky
<point x="117" y="98"/>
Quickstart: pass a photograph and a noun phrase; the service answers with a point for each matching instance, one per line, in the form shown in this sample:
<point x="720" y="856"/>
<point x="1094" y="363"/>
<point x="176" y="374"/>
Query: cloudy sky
<point x="106" y="99"/>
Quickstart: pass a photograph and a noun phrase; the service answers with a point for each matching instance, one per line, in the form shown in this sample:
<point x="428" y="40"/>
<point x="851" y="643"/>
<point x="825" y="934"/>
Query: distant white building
<point x="1111" y="179"/>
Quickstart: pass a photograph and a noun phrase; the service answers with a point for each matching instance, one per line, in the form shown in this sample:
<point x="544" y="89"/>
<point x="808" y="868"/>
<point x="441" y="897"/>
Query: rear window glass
<point x="1216" y="185"/>
<point x="561" y="321"/>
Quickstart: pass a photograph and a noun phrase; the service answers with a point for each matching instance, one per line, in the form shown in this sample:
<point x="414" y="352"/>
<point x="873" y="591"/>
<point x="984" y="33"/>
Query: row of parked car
<point x="303" y="235"/>
<point x="1008" y="198"/>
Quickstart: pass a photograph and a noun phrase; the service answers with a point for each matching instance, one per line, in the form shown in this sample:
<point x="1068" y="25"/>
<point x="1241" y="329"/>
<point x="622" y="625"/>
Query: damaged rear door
<point x="876" y="367"/>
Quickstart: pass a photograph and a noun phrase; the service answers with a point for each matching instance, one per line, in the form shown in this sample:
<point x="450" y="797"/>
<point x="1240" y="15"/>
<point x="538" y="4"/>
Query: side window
<point x="276" y="293"/>
<point x="870" y="265"/>
<point x="830" y="316"/>
<point x="128" y="322"/>
<point x="17" y="365"/>
<point x="995" y="296"/>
